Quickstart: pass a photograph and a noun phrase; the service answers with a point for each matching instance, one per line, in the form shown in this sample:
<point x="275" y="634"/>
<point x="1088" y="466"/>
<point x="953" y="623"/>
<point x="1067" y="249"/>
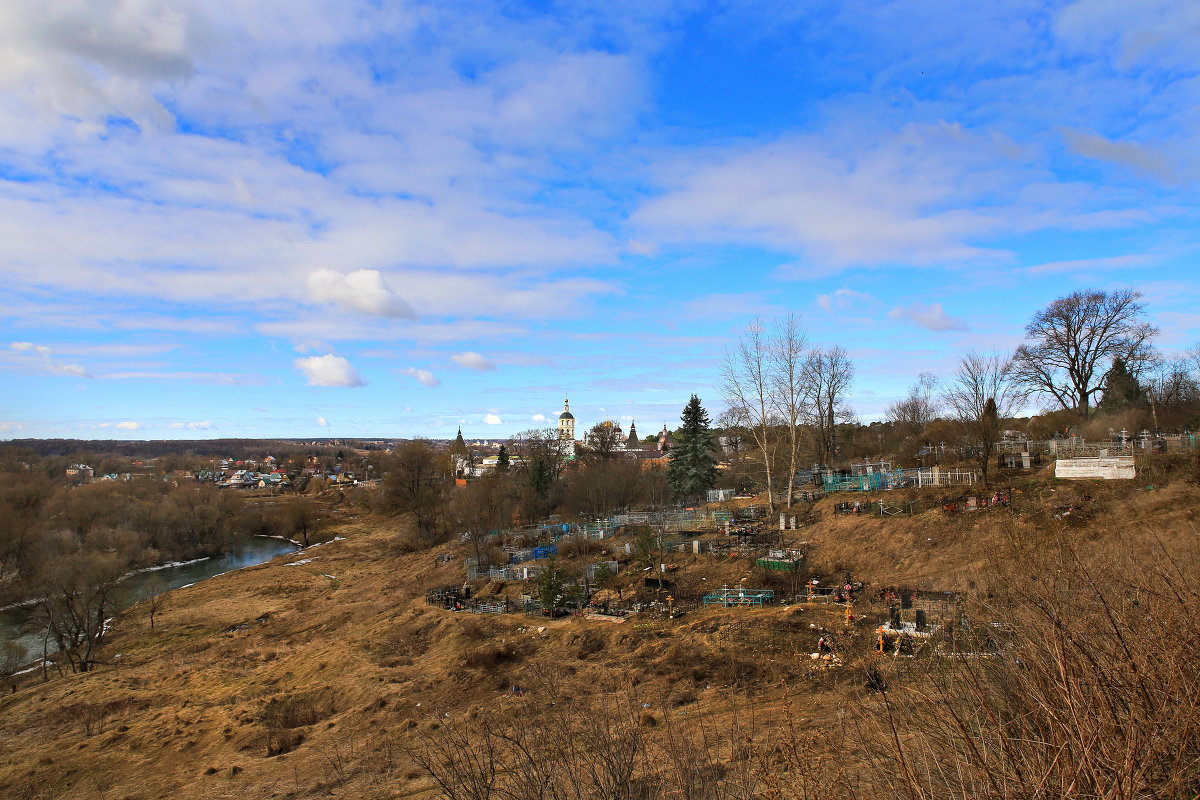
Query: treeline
<point x="85" y="449"/>
<point x="536" y="476"/>
<point x="133" y="523"/>
<point x="1088" y="362"/>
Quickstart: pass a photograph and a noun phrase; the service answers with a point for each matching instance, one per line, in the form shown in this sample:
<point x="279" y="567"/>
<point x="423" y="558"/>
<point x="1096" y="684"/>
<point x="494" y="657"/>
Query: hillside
<point x="325" y="672"/>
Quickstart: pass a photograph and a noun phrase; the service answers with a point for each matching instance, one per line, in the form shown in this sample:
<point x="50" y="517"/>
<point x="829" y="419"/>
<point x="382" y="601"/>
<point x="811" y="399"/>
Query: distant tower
<point x="566" y="422"/>
<point x="664" y="440"/>
<point x="632" y="442"/>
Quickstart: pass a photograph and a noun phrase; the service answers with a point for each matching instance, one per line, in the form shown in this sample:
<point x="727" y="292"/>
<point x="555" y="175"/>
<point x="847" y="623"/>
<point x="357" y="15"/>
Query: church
<point x="566" y="432"/>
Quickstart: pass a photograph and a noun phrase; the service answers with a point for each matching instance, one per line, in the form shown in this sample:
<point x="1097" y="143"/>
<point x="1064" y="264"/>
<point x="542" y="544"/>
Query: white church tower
<point x="566" y="422"/>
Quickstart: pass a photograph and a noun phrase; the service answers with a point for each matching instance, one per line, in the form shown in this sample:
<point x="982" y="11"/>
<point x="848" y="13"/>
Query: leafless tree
<point x="603" y="441"/>
<point x="416" y="481"/>
<point x="787" y="360"/>
<point x="78" y="597"/>
<point x="1071" y="342"/>
<point x="13" y="656"/>
<point x="983" y="392"/>
<point x="301" y="519"/>
<point x="154" y="596"/>
<point x="828" y="373"/>
<point x="911" y="414"/>
<point x="1169" y="387"/>
<point x="747" y="386"/>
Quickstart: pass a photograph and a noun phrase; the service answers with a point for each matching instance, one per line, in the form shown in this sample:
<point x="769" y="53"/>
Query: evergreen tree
<point x="502" y="459"/>
<point x="1121" y="389"/>
<point x="692" y="469"/>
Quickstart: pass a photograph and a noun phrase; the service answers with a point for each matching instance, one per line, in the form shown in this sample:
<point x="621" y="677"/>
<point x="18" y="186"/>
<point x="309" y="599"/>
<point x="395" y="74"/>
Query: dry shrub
<point x="490" y="655"/>
<point x="297" y="710"/>
<point x="1093" y="693"/>
<point x="578" y="547"/>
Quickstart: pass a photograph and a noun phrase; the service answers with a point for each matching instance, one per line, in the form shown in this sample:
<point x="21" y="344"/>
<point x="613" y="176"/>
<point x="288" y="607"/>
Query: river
<point x="246" y="552"/>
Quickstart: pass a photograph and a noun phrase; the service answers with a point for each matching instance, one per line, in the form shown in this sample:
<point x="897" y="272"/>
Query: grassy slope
<point x="350" y="665"/>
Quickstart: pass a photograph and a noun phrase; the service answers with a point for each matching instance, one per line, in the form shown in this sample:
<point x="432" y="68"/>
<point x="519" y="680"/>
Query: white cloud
<point x="39" y="356"/>
<point x="843" y="299"/>
<point x="97" y="59"/>
<point x="329" y="370"/>
<point x="322" y="422"/>
<point x="538" y="418"/>
<point x="931" y="317"/>
<point x="128" y="426"/>
<point x="422" y="376"/>
<point x="727" y="305"/>
<point x="360" y="290"/>
<point x="472" y="360"/>
<point x="1131" y="155"/>
<point x="1082" y="265"/>
<point x="191" y="426"/>
<point x="492" y="419"/>
<point x="1162" y="33"/>
<point x="904" y="196"/>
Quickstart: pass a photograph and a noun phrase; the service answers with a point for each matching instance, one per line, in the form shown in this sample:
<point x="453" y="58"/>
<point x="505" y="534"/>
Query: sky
<point x="386" y="219"/>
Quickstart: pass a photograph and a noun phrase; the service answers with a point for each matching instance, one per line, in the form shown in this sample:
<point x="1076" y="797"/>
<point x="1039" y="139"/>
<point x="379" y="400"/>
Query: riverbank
<point x="17" y="621"/>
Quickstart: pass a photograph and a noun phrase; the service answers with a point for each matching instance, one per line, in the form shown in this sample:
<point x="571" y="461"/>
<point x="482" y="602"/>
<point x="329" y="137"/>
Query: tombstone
<point x="922" y="620"/>
<point x="696" y="546"/>
<point x="894" y="617"/>
<point x="783" y="522"/>
<point x="1025" y="459"/>
<point x="972" y="503"/>
<point x="628" y="548"/>
<point x="906" y="600"/>
<point x="792" y="522"/>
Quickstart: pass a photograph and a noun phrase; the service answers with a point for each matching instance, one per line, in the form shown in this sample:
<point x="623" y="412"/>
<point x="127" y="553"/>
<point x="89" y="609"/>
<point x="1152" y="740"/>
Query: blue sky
<point x="392" y="219"/>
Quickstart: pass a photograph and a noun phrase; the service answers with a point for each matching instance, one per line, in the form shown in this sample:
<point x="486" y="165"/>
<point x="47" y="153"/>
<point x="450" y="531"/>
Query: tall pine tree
<point x="692" y="470"/>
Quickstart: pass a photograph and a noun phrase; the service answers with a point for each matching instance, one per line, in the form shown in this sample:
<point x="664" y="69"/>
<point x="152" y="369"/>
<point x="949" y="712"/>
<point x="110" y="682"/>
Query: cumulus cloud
<point x="329" y="370"/>
<point x="324" y="423"/>
<point x="538" y="418"/>
<point x="492" y="419"/>
<point x="472" y="360"/>
<point x="930" y="317"/>
<point x="42" y="357"/>
<point x="128" y="426"/>
<point x="359" y="290"/>
<point x="422" y="376"/>
<point x="191" y="426"/>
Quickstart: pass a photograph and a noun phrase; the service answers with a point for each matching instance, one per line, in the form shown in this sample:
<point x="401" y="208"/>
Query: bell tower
<point x="566" y="422"/>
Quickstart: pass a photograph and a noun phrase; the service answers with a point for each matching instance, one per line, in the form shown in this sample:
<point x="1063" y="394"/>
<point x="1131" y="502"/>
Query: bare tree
<point x="13" y="656"/>
<point x="78" y="598"/>
<point x="1169" y="388"/>
<point x="911" y="414"/>
<point x="301" y="519"/>
<point x="416" y="481"/>
<point x="154" y="596"/>
<point x="787" y="353"/>
<point x="747" y="387"/>
<point x="1071" y="342"/>
<point x="983" y="392"/>
<point x="828" y="373"/>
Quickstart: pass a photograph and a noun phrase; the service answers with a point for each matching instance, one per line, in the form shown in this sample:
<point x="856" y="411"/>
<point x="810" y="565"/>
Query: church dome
<point x="566" y="415"/>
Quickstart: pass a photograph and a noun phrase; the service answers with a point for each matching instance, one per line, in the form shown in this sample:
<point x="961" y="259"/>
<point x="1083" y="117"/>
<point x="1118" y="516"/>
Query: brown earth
<point x="308" y="679"/>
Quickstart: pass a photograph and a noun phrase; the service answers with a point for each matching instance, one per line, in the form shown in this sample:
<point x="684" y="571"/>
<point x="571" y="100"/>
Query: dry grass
<point x="280" y="681"/>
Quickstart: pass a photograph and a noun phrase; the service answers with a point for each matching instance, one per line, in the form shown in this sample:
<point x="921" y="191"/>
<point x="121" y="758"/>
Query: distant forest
<point x="153" y="448"/>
